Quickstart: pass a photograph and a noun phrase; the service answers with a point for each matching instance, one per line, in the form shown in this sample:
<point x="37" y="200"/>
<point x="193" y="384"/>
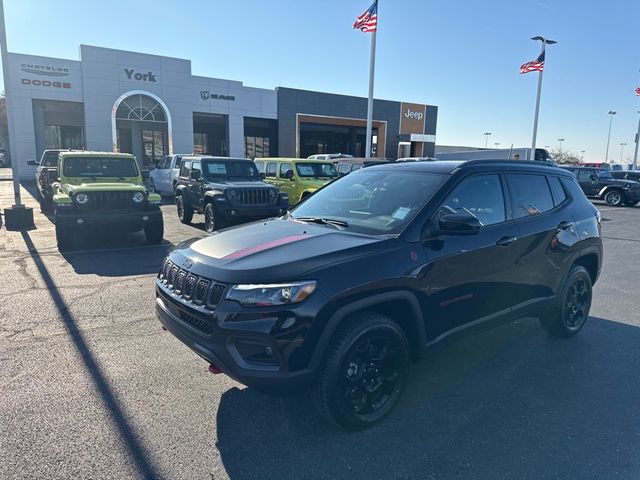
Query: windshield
<point x="50" y="159"/>
<point x="100" y="167"/>
<point x="241" y="169"/>
<point x="316" y="169"/>
<point x="372" y="201"/>
<point x="605" y="174"/>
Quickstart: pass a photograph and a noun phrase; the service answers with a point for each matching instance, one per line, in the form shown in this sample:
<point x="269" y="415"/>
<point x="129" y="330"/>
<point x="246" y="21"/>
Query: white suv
<point x="163" y="178"/>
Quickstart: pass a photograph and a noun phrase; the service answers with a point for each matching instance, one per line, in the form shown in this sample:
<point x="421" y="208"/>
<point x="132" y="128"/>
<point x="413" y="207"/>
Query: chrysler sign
<point x="46" y="70"/>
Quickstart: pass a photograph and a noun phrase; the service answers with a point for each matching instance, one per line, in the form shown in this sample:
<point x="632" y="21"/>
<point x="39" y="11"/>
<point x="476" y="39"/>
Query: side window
<point x="185" y="168"/>
<point x="284" y="167"/>
<point x="260" y="166"/>
<point x="195" y="167"/>
<point x="271" y="169"/>
<point x="559" y="194"/>
<point x="530" y="195"/>
<point x="164" y="163"/>
<point x="480" y="196"/>
<point x="584" y="174"/>
<point x="572" y="187"/>
<point x="343" y="168"/>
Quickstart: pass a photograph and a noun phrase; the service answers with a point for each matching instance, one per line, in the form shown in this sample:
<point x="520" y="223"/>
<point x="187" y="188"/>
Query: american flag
<point x="534" y="65"/>
<point x="638" y="91"/>
<point x="368" y="21"/>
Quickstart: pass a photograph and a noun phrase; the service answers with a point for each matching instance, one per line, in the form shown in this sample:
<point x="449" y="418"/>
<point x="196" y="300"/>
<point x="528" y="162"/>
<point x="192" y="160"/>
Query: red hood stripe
<point x="245" y="252"/>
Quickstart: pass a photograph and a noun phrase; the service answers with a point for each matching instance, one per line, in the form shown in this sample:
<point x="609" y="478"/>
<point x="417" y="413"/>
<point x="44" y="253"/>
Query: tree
<point x="564" y="156"/>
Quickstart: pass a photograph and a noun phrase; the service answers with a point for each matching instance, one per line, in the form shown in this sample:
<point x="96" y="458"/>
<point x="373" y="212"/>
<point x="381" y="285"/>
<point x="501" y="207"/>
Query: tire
<point x="185" y="212"/>
<point x="572" y="311"/>
<point x="614" y="198"/>
<point x="631" y="203"/>
<point x="154" y="232"/>
<point x="356" y="404"/>
<point x="212" y="222"/>
<point x="64" y="237"/>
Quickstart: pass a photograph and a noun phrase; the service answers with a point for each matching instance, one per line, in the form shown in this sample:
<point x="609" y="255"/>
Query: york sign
<point x="141" y="77"/>
<point x="415" y="115"/>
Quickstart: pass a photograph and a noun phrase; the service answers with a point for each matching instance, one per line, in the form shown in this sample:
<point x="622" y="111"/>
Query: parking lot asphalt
<point x="91" y="387"/>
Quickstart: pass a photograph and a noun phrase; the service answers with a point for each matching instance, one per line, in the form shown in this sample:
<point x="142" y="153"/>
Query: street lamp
<point x="582" y="154"/>
<point x="544" y="42"/>
<point x="496" y="144"/>
<point x="560" y="140"/>
<point x="611" y="114"/>
<point x="622" y="145"/>
<point x="486" y="138"/>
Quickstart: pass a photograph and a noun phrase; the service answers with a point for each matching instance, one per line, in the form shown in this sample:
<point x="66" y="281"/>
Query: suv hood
<point x="272" y="251"/>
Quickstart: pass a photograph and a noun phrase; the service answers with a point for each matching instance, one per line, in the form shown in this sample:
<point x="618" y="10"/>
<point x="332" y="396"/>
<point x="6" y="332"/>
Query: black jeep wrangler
<point x="228" y="191"/>
<point x="602" y="185"/>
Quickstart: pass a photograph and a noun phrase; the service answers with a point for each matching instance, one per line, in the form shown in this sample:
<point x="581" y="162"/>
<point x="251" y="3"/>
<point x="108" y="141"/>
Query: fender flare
<point x="363" y="304"/>
<point x="179" y="189"/>
<point x="608" y="188"/>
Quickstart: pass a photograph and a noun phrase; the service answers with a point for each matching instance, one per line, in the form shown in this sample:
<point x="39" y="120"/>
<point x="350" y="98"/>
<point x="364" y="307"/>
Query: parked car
<point x="329" y="156"/>
<point x="378" y="269"/>
<point x="297" y="177"/>
<point x="5" y="161"/>
<point x="103" y="189"/>
<point x="46" y="175"/>
<point x="633" y="175"/>
<point x="347" y="165"/>
<point x="422" y="159"/>
<point x="600" y="184"/>
<point x="164" y="177"/>
<point x="227" y="191"/>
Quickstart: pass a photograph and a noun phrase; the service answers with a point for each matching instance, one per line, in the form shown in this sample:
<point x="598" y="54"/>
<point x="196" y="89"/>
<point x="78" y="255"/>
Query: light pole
<point x="486" y="138"/>
<point x="17" y="217"/>
<point x="611" y="113"/>
<point x="582" y="154"/>
<point x="560" y="140"/>
<point x="545" y="42"/>
<point x="496" y="144"/>
<point x="635" y="155"/>
<point x="622" y="145"/>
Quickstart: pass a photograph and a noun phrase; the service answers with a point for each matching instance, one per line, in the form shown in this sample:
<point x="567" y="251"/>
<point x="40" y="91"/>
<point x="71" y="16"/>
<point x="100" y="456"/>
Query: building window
<point x="200" y="143"/>
<point x="59" y="136"/>
<point x="257" y="147"/>
<point x="140" y="107"/>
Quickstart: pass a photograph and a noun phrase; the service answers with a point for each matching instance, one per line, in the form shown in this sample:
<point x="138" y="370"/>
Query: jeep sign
<point x="416" y="115"/>
<point x="141" y="77"/>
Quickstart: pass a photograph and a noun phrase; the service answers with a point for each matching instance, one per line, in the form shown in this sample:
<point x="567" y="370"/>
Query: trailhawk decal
<point x="245" y="252"/>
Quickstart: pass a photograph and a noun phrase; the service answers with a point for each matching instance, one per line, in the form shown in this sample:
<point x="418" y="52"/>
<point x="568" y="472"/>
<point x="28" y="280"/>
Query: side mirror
<point x="32" y="163"/>
<point x="593" y="177"/>
<point x="459" y="224"/>
<point x="194" y="175"/>
<point x="262" y="175"/>
<point x="289" y="175"/>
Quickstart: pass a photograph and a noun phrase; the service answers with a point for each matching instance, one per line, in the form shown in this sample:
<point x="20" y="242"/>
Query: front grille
<point x="101" y="201"/>
<point x="199" y="290"/>
<point x="254" y="196"/>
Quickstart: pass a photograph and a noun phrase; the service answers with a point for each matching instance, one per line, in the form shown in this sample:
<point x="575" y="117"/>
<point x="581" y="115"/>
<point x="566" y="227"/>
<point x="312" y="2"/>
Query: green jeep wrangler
<point x="297" y="177"/>
<point x="103" y="189"/>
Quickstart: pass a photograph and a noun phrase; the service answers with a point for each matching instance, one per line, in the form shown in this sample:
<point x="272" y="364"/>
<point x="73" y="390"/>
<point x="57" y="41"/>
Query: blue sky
<point x="461" y="55"/>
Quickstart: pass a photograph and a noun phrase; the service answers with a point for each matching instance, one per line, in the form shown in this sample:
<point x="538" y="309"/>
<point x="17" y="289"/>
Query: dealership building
<point x="151" y="106"/>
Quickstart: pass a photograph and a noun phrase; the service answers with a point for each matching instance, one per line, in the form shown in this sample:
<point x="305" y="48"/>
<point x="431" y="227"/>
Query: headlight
<point x="270" y="295"/>
<point x="81" y="198"/>
<point x="138" y="197"/>
<point x="273" y="193"/>
<point x="233" y="193"/>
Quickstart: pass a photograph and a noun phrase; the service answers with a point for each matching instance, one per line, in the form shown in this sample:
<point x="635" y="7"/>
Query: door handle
<point x="506" y="241"/>
<point x="564" y="225"/>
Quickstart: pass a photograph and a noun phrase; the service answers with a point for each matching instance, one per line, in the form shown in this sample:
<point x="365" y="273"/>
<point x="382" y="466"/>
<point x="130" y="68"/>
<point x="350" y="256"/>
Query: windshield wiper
<point x="323" y="221"/>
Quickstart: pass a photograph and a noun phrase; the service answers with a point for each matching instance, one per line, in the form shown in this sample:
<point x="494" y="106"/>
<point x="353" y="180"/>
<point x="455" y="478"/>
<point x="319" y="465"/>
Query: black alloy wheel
<point x="209" y="218"/>
<point x="577" y="303"/>
<point x="364" y="372"/>
<point x="185" y="213"/>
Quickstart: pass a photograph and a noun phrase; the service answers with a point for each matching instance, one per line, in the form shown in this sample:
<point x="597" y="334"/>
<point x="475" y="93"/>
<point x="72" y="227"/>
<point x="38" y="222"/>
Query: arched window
<point x="140" y="107"/>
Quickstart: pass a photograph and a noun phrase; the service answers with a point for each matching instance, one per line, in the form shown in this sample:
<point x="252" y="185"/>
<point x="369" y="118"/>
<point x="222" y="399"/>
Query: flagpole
<point x="532" y="154"/>
<point x="372" y="68"/>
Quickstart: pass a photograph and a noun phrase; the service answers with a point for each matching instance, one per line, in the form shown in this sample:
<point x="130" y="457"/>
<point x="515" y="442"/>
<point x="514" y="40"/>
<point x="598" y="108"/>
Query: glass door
<point x="152" y="147"/>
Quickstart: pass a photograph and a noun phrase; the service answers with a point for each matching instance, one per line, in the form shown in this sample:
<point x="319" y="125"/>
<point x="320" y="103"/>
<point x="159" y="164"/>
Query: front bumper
<point x="130" y="219"/>
<point x="631" y="195"/>
<point x="224" y="339"/>
<point x="242" y="213"/>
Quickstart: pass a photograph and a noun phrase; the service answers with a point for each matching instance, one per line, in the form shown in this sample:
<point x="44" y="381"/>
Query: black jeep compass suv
<point x="375" y="270"/>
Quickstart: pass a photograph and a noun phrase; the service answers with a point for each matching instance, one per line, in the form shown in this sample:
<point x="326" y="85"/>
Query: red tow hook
<point x="214" y="369"/>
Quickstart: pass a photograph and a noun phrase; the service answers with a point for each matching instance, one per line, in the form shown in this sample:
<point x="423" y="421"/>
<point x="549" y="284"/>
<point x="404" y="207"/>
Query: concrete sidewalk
<point x="5" y="174"/>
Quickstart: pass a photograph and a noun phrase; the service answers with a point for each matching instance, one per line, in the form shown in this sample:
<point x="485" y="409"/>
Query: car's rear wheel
<point x="572" y="311"/>
<point x="185" y="212"/>
<point x="614" y="198"/>
<point x="631" y="203"/>
<point x="364" y="372"/>
<point x="64" y="237"/>
<point x="154" y="232"/>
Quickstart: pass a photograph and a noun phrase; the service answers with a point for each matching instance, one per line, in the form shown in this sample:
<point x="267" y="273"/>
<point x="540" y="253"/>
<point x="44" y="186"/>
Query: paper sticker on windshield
<point x="401" y="213"/>
<point x="217" y="168"/>
<point x="305" y="170"/>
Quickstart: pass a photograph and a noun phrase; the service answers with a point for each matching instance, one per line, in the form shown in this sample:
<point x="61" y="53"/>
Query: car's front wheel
<point x="572" y="310"/>
<point x="363" y="373"/>
<point x="212" y="222"/>
<point x="185" y="212"/>
<point x="614" y="198"/>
